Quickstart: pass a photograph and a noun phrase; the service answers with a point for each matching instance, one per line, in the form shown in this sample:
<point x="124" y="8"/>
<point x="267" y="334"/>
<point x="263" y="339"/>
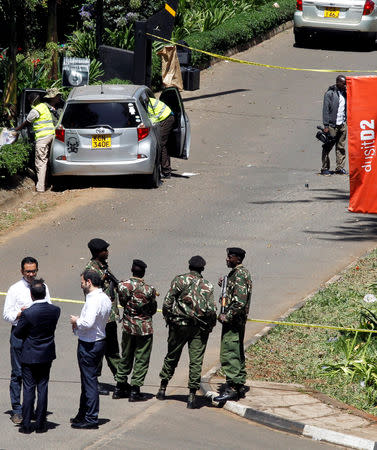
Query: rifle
<point x="203" y="325"/>
<point x="113" y="280"/>
<point x="223" y="300"/>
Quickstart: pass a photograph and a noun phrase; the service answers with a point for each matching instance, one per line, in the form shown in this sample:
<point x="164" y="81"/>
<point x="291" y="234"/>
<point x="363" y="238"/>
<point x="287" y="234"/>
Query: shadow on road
<point x="118" y="182"/>
<point x="340" y="42"/>
<point x="217" y="94"/>
<point x="356" y="228"/>
<point x="330" y="195"/>
<point x="201" y="401"/>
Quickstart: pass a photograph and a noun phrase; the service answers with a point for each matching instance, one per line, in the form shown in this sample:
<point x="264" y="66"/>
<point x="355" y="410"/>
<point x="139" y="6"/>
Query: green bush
<point x="238" y="30"/>
<point x="14" y="157"/>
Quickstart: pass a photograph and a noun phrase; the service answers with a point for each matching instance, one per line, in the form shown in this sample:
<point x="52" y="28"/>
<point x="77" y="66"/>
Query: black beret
<point x="139" y="263"/>
<point x="236" y="251"/>
<point x="97" y="245"/>
<point x="197" y="261"/>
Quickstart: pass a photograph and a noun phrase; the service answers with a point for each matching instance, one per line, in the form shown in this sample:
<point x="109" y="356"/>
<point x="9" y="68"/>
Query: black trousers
<point x="35" y="376"/>
<point x="165" y="128"/>
<point x="89" y="354"/>
<point x="112" y="349"/>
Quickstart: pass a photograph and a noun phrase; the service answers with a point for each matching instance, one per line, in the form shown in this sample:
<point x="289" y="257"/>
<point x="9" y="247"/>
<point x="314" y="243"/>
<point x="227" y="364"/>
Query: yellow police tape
<point x="252" y="63"/>
<point x="292" y="324"/>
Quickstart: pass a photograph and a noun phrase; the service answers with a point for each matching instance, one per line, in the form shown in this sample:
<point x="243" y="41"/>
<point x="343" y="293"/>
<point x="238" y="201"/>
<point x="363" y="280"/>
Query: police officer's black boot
<point x="191" y="400"/>
<point x="230" y="393"/>
<point x="242" y="390"/>
<point x="122" y="390"/>
<point x="136" y="395"/>
<point x="161" y="392"/>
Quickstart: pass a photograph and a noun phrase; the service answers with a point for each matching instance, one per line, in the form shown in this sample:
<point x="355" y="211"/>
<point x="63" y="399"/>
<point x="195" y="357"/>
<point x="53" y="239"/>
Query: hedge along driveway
<point x="239" y="30"/>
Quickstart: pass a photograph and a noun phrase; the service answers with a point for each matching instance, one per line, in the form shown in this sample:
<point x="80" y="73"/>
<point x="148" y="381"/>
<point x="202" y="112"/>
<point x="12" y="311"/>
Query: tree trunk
<point x="99" y="22"/>
<point x="52" y="35"/>
<point x="10" y="91"/>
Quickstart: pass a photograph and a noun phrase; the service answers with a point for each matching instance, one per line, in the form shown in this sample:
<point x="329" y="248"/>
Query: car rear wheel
<point x="370" y="41"/>
<point x="154" y="179"/>
<point x="301" y="37"/>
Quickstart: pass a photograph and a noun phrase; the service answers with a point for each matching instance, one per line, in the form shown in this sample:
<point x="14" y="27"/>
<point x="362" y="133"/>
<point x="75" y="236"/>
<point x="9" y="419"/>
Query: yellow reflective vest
<point x="157" y="110"/>
<point x="43" y="126"/>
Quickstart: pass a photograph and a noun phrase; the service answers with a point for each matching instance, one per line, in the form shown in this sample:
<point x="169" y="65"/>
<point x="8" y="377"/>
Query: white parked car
<point x="105" y="130"/>
<point x="352" y="16"/>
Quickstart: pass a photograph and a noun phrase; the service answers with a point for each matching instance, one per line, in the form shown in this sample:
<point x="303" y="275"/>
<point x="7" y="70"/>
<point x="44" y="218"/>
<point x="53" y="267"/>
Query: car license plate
<point x="101" y="141"/>
<point x="332" y="13"/>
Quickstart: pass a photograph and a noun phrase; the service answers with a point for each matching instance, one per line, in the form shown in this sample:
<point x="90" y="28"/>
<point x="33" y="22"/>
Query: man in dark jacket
<point x="334" y="121"/>
<point x="36" y="328"/>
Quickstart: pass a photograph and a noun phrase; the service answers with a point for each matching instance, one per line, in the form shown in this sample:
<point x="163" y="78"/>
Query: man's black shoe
<point x="16" y="418"/>
<point x="42" y="429"/>
<point x="325" y="172"/>
<point x="85" y="426"/>
<point x="161" y="394"/>
<point x="162" y="391"/>
<point x="341" y="172"/>
<point x="191" y="401"/>
<point x="25" y="430"/>
<point x="229" y="394"/>
<point x="242" y="390"/>
<point x="77" y="419"/>
<point x="122" y="390"/>
<point x="166" y="175"/>
<point x="102" y="390"/>
<point x="136" y="395"/>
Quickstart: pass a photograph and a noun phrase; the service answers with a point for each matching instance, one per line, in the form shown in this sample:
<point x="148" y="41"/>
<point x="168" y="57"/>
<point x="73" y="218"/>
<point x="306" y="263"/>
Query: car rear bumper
<point x="86" y="168"/>
<point x="366" y="25"/>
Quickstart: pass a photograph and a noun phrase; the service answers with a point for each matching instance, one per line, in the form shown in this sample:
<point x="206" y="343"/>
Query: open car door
<point x="180" y="137"/>
<point x="24" y="108"/>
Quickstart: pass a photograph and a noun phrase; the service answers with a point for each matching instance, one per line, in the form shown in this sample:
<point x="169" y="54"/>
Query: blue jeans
<point x="89" y="355"/>
<point x="16" y="373"/>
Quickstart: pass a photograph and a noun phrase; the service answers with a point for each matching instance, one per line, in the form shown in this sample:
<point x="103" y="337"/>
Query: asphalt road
<point x="253" y="151"/>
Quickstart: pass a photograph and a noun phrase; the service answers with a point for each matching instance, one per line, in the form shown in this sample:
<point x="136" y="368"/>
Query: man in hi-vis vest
<point x="160" y="113"/>
<point x="44" y="130"/>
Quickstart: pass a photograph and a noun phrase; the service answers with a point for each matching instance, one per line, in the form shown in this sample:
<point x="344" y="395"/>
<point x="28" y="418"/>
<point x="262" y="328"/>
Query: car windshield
<point x="115" y="114"/>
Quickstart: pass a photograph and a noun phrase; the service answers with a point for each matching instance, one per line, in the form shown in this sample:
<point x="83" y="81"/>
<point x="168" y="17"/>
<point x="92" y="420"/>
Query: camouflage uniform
<point x="112" y="346"/>
<point x="139" y="303"/>
<point x="232" y="354"/>
<point x="190" y="311"/>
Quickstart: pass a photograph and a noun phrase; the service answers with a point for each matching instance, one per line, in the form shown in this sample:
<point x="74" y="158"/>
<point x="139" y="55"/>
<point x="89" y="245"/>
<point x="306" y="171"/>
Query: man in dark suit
<point x="36" y="328"/>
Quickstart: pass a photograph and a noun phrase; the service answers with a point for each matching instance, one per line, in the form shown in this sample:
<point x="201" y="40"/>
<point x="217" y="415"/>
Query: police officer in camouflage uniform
<point x="139" y="303"/>
<point x="190" y="311"/>
<point x="232" y="356"/>
<point x="98" y="263"/>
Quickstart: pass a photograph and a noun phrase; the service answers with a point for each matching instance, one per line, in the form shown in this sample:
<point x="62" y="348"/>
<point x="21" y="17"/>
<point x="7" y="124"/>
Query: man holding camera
<point x="334" y="121"/>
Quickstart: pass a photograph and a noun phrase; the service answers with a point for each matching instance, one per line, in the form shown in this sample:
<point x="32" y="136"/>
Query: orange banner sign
<point x="362" y="128"/>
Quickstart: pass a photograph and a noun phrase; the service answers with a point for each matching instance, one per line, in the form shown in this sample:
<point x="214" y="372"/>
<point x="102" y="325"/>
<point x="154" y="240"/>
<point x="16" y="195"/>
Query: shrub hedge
<point x="240" y="29"/>
<point x="14" y="157"/>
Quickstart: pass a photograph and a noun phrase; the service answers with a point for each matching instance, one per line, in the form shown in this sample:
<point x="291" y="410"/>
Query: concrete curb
<point x="279" y="423"/>
<point x="286" y="425"/>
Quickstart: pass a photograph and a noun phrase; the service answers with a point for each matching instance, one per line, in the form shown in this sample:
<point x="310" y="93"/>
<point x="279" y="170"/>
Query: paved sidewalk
<point x="291" y="408"/>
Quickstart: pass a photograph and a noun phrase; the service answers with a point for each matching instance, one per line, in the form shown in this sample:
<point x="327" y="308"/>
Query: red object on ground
<point x="362" y="128"/>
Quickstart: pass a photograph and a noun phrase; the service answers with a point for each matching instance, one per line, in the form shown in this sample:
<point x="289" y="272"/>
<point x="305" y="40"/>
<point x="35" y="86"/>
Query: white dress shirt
<point x="94" y="316"/>
<point x="18" y="296"/>
<point x="341" y="110"/>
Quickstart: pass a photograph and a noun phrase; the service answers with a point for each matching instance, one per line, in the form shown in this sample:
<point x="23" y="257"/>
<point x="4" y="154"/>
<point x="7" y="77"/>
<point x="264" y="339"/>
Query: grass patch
<point x="23" y="213"/>
<point x="301" y="355"/>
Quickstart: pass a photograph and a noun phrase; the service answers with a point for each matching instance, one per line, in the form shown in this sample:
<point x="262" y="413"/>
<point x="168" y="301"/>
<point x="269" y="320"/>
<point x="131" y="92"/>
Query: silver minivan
<point x="105" y="130"/>
<point x="357" y="16"/>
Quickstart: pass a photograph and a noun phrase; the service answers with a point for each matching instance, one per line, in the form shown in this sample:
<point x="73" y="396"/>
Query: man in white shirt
<point x="90" y="329"/>
<point x="335" y="124"/>
<point x="18" y="298"/>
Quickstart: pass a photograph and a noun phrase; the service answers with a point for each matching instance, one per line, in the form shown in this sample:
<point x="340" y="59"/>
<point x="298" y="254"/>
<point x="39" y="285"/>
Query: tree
<point x="52" y="35"/>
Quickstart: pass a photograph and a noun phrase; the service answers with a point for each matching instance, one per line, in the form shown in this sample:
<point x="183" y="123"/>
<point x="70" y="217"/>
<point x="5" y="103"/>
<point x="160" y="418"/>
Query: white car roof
<point x="104" y="92"/>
